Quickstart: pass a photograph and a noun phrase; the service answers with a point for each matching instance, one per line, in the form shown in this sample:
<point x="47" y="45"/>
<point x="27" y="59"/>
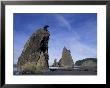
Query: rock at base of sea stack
<point x="34" y="56"/>
<point x="66" y="61"/>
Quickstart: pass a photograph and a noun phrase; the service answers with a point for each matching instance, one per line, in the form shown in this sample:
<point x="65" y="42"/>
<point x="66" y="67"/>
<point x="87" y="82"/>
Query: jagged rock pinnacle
<point x="66" y="59"/>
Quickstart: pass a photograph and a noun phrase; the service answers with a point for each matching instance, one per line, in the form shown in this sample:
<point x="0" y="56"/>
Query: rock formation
<point x="66" y="61"/>
<point x="34" y="56"/>
<point x="55" y="64"/>
<point x="90" y="62"/>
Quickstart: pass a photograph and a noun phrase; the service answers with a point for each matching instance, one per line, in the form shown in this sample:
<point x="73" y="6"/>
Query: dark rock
<point x="34" y="56"/>
<point x="66" y="61"/>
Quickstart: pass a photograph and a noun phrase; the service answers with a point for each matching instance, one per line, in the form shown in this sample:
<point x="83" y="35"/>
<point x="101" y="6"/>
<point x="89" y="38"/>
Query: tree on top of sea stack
<point x="66" y="60"/>
<point x="34" y="56"/>
<point x="55" y="64"/>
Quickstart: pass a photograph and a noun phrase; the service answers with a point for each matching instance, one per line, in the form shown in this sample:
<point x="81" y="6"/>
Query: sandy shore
<point x="80" y="71"/>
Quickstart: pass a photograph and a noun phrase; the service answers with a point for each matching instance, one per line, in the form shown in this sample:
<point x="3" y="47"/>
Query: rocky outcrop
<point x="55" y="64"/>
<point x="66" y="61"/>
<point x="89" y="62"/>
<point x="34" y="56"/>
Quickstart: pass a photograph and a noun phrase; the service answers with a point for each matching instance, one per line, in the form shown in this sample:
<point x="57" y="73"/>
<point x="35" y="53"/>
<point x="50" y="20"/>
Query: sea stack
<point x="55" y="64"/>
<point x="66" y="60"/>
<point x="34" y="56"/>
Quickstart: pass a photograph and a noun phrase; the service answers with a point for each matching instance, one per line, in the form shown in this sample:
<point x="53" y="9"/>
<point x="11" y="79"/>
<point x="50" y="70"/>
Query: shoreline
<point x="56" y="71"/>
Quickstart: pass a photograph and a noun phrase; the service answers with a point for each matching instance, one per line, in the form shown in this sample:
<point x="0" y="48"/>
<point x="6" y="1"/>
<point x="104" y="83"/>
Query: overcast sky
<point x="75" y="31"/>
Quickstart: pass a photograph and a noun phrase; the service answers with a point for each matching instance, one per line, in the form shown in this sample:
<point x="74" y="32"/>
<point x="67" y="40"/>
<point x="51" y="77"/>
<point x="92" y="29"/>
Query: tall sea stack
<point x="34" y="56"/>
<point x="66" y="60"/>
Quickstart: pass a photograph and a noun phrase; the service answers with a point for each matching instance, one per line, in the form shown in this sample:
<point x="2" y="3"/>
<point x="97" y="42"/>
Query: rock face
<point x="55" y="64"/>
<point x="66" y="61"/>
<point x="89" y="62"/>
<point x="34" y="56"/>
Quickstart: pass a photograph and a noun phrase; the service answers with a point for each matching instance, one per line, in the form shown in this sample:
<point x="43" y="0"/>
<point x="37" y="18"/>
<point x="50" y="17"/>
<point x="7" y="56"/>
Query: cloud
<point x="63" y="21"/>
